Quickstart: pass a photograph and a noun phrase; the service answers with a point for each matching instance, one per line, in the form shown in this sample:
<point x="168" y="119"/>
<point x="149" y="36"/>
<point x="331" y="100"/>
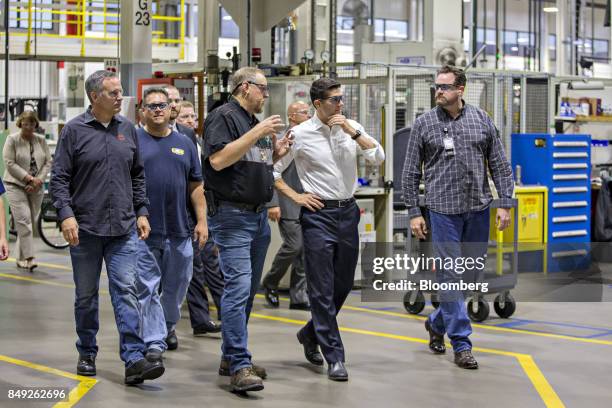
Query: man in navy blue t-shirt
<point x="173" y="176"/>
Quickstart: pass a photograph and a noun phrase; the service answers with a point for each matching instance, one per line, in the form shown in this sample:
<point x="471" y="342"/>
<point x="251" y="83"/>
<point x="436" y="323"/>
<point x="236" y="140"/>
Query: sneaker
<point x="245" y="380"/>
<point x="143" y="370"/>
<point x="224" y="370"/>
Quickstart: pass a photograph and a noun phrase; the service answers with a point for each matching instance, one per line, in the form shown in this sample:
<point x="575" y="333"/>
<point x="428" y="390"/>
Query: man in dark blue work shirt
<point x="237" y="158"/>
<point x="98" y="188"/>
<point x="174" y="176"/>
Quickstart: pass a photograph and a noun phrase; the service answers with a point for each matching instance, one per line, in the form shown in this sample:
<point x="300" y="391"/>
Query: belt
<point x="338" y="203"/>
<point x="243" y="206"/>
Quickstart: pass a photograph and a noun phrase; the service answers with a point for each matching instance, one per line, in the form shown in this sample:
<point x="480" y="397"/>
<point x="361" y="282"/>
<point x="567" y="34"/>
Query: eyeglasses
<point x="335" y="99"/>
<point x="444" y="87"/>
<point x="263" y="88"/>
<point x="156" y="106"/>
<point x="304" y="112"/>
<point x="188" y="116"/>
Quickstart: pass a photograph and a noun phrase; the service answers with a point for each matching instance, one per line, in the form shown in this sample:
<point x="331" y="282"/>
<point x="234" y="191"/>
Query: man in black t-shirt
<point x="237" y="159"/>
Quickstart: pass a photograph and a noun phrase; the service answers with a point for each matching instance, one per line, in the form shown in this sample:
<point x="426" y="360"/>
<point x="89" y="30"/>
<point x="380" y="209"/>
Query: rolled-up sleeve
<point x="61" y="174"/>
<point x="282" y="164"/>
<point x="500" y="168"/>
<point x="139" y="186"/>
<point x="411" y="174"/>
<point x="375" y="155"/>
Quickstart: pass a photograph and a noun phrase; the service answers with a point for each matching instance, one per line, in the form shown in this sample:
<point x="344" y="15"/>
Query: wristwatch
<point x="357" y="134"/>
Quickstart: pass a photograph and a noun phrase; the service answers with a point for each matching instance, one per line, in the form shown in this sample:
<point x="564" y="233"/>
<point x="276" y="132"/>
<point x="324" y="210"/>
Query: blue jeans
<point x="243" y="238"/>
<point x="167" y="261"/>
<point x="454" y="236"/>
<point x="119" y="255"/>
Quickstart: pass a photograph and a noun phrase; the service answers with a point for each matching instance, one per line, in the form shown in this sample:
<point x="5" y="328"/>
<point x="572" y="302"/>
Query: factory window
<point x="100" y="16"/>
<point x="229" y="28"/>
<point x="40" y="17"/>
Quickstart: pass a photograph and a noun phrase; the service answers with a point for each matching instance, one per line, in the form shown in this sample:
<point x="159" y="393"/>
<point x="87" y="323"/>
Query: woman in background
<point x="27" y="160"/>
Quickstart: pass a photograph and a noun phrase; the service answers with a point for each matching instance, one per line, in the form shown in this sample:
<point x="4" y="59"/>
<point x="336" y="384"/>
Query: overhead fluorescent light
<point x="227" y="18"/>
<point x="550" y="9"/>
<point x="514" y="48"/>
<point x="467" y="1"/>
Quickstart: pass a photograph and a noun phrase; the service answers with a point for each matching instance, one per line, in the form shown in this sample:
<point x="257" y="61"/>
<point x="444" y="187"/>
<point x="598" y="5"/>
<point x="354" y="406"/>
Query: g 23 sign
<point x="143" y="17"/>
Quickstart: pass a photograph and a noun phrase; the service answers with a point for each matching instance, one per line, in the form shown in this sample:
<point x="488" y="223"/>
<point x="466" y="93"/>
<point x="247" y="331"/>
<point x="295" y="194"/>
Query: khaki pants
<point x="25" y="208"/>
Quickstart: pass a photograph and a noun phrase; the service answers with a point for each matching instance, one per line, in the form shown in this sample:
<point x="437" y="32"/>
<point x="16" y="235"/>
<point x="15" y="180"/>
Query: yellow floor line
<point x="476" y="325"/>
<point x="531" y="369"/>
<point x="85" y="383"/>
<point x="542" y="386"/>
<point x="44" y="282"/>
<point x="48" y="265"/>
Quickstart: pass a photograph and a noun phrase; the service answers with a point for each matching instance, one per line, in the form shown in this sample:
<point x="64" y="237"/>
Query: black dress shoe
<point x="299" y="306"/>
<point x="154" y="355"/>
<point x="271" y="296"/>
<point x="208" y="327"/>
<point x="465" y="359"/>
<point x="143" y="370"/>
<point x="86" y="365"/>
<point x="436" y="341"/>
<point x="172" y="340"/>
<point x="311" y="349"/>
<point x="337" y="372"/>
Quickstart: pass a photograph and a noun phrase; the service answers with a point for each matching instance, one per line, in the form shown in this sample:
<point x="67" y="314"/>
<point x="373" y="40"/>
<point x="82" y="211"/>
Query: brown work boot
<point x="245" y="380"/>
<point x="224" y="369"/>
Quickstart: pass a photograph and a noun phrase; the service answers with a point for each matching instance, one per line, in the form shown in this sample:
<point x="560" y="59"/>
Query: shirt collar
<point x="252" y="118"/>
<point x="442" y="113"/>
<point x="316" y="122"/>
<point x="89" y="117"/>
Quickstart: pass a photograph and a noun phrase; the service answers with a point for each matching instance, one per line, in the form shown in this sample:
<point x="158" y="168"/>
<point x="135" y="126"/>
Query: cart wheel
<point x="508" y="308"/>
<point x="416" y="306"/>
<point x="481" y="314"/>
<point x="435" y="302"/>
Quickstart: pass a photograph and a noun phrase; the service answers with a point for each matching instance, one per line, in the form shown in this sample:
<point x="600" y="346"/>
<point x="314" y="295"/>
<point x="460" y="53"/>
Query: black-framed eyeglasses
<point x="444" y="87"/>
<point x="156" y="106"/>
<point x="263" y="88"/>
<point x="335" y="99"/>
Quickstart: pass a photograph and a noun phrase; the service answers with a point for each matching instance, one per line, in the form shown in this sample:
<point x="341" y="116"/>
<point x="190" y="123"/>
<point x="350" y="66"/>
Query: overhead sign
<point x="411" y="60"/>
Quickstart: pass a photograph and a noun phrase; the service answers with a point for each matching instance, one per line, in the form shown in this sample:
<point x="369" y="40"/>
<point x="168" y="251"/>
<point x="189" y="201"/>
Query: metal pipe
<point x="313" y="25"/>
<point x="484" y="46"/>
<point x="504" y="30"/>
<point x="248" y="33"/>
<point x="332" y="36"/>
<point x="484" y="27"/>
<point x="530" y="18"/>
<point x="496" y="34"/>
<point x="6" y="65"/>
<point x="473" y="31"/>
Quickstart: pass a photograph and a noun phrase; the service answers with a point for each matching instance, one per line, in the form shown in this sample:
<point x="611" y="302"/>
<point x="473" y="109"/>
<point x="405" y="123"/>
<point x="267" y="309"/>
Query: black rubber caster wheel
<point x="505" y="309"/>
<point x="479" y="315"/>
<point x="415" y="306"/>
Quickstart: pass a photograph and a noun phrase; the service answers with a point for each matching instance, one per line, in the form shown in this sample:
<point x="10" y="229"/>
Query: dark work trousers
<point x="291" y="253"/>
<point x="331" y="249"/>
<point x="206" y="272"/>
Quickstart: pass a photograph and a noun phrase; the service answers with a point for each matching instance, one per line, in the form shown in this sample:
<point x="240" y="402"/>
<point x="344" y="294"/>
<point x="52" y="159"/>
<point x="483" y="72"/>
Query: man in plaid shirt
<point x="455" y="143"/>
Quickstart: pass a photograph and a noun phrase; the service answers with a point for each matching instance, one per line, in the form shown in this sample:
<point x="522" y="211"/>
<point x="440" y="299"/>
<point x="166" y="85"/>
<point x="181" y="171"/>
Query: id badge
<point x="449" y="145"/>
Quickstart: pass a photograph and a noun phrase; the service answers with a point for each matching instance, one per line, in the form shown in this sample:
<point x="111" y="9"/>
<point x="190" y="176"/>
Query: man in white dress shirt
<point x="325" y="153"/>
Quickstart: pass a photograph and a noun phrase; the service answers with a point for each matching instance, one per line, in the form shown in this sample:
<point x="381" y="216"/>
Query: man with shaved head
<point x="287" y="213"/>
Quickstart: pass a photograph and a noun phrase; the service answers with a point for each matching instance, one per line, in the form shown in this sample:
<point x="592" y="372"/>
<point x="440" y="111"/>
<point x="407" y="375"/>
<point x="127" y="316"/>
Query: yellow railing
<point x="82" y="12"/>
